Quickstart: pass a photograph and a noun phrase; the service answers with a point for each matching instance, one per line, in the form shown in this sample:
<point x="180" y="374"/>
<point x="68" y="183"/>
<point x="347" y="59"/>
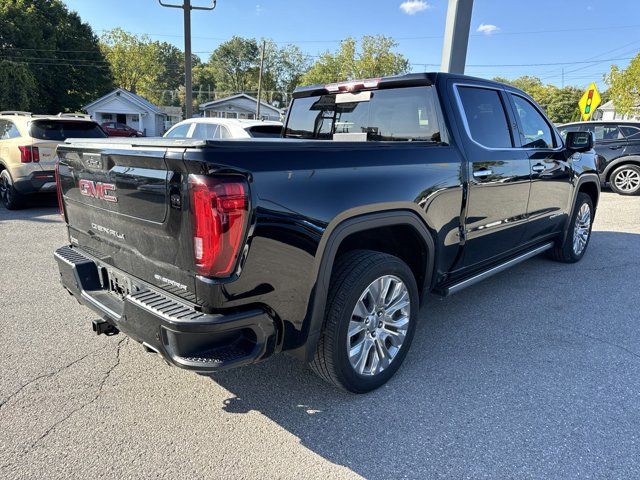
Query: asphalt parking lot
<point x="530" y="374"/>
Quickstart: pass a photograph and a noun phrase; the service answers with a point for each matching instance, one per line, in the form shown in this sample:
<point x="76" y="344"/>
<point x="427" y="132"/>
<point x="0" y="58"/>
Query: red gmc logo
<point x="99" y="190"/>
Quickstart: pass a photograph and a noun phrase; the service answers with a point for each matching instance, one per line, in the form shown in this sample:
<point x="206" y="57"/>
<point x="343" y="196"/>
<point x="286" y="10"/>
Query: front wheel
<point x="577" y="239"/>
<point x="626" y="180"/>
<point x="370" y="319"/>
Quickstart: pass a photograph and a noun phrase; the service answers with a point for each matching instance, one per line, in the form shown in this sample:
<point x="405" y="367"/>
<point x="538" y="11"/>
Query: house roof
<point x="132" y="97"/>
<point x="607" y="106"/>
<point x="213" y="103"/>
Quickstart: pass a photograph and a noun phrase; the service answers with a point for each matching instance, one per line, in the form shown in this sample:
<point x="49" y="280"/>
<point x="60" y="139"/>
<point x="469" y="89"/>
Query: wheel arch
<point x="330" y="247"/>
<point x="588" y="183"/>
<point x="619" y="162"/>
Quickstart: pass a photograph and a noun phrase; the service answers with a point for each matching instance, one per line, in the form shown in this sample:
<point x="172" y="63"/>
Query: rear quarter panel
<point x="302" y="190"/>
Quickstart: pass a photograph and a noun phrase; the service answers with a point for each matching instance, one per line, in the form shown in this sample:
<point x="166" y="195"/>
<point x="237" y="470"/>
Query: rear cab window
<point x="398" y="114"/>
<point x="60" y="130"/>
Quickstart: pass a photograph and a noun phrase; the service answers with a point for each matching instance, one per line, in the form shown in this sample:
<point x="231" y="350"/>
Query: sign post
<point x="589" y="102"/>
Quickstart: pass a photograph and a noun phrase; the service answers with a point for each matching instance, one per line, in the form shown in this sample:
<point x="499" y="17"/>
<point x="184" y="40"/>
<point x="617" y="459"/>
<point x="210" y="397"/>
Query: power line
<point x="478" y="65"/>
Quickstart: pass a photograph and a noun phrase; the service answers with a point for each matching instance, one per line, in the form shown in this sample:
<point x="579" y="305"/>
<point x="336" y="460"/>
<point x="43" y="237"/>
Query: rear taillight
<point x="59" y="188"/>
<point x="29" y="154"/>
<point x="219" y="207"/>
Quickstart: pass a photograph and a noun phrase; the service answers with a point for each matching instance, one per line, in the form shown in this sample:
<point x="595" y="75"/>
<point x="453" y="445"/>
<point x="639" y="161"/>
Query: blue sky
<point x="505" y="33"/>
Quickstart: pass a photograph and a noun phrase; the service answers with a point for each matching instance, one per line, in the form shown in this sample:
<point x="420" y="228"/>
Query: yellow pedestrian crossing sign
<point x="589" y="102"/>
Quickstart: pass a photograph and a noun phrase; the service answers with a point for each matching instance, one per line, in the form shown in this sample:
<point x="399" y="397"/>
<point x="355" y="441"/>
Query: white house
<point x="173" y="115"/>
<point x="123" y="106"/>
<point x="240" y="106"/>
<point x="607" y="111"/>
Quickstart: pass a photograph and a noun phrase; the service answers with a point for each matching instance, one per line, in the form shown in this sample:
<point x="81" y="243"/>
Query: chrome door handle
<point x="538" y="168"/>
<point x="483" y="173"/>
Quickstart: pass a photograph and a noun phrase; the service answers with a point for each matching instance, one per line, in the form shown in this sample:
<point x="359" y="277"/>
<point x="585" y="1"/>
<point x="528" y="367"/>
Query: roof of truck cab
<point x="399" y="81"/>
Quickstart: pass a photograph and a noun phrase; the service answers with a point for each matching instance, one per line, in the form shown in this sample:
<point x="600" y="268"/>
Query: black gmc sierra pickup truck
<point x="324" y="243"/>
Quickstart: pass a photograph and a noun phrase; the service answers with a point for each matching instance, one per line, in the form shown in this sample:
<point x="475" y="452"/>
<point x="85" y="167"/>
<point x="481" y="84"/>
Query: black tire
<point x="566" y="252"/>
<point x="625" y="180"/>
<point x="9" y="196"/>
<point x="353" y="274"/>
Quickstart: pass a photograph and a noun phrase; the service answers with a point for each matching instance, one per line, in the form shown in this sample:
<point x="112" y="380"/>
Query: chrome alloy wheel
<point x="581" y="229"/>
<point x="627" y="180"/>
<point x="378" y="325"/>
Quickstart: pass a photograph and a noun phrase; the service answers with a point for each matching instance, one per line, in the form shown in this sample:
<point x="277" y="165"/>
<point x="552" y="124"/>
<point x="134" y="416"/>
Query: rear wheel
<point x="370" y="319"/>
<point x="575" y="244"/>
<point x="9" y="196"/>
<point x="625" y="180"/>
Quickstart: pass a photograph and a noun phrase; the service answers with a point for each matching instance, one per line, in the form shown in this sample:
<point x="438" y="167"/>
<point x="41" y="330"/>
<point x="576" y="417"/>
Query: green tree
<point x="59" y="51"/>
<point x="133" y="60"/>
<point x="168" y="72"/>
<point x="234" y="65"/>
<point x="17" y="86"/>
<point x="563" y="106"/>
<point x="283" y="67"/>
<point x="560" y="104"/>
<point x="374" y="58"/>
<point x="624" y="86"/>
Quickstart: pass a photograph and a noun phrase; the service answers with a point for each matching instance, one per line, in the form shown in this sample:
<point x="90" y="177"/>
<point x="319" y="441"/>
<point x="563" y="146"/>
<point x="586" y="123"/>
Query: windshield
<point x="60" y="130"/>
<point x="401" y="114"/>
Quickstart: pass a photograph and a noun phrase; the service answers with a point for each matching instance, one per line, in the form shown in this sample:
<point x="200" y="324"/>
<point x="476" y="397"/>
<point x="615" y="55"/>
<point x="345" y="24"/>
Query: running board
<point x="456" y="287"/>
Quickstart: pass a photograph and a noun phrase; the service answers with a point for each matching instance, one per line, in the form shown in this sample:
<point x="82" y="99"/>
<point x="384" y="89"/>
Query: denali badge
<point x="108" y="231"/>
<point x="99" y="190"/>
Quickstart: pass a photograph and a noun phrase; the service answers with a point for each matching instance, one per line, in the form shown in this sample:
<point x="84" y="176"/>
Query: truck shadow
<point x="491" y="383"/>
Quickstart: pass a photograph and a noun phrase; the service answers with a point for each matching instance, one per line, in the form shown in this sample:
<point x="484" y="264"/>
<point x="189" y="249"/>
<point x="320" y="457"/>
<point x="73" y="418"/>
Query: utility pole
<point x="260" y="80"/>
<point x="562" y="77"/>
<point x="456" y="36"/>
<point x="187" y="7"/>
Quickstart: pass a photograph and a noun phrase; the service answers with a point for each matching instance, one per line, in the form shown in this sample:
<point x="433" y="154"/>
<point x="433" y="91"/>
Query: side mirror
<point x="579" y="141"/>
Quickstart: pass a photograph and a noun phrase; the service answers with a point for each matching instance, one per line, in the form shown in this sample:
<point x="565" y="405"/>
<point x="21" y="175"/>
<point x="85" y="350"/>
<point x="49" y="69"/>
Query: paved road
<point x="531" y="374"/>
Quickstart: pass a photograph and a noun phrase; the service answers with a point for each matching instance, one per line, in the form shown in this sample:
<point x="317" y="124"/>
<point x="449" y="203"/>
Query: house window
<point x="107" y="116"/>
<point x="232" y="115"/>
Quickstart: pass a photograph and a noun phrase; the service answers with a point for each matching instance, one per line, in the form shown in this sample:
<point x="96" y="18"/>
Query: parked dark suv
<point x="618" y="148"/>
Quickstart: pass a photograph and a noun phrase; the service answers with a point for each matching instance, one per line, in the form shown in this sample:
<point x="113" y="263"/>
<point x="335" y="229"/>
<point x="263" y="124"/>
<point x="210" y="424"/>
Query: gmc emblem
<point x="99" y="190"/>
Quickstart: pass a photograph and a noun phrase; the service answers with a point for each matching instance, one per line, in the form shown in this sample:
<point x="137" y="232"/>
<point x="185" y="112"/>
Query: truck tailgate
<point x="124" y="205"/>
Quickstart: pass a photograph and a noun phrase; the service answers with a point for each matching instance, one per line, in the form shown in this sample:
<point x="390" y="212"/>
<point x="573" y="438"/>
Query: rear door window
<point x="179" y="132"/>
<point x="8" y="130"/>
<point x="205" y="131"/>
<point x="632" y="133"/>
<point x="401" y="114"/>
<point x="604" y="133"/>
<point x="60" y="130"/>
<point x="486" y="117"/>
<point x="223" y="132"/>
